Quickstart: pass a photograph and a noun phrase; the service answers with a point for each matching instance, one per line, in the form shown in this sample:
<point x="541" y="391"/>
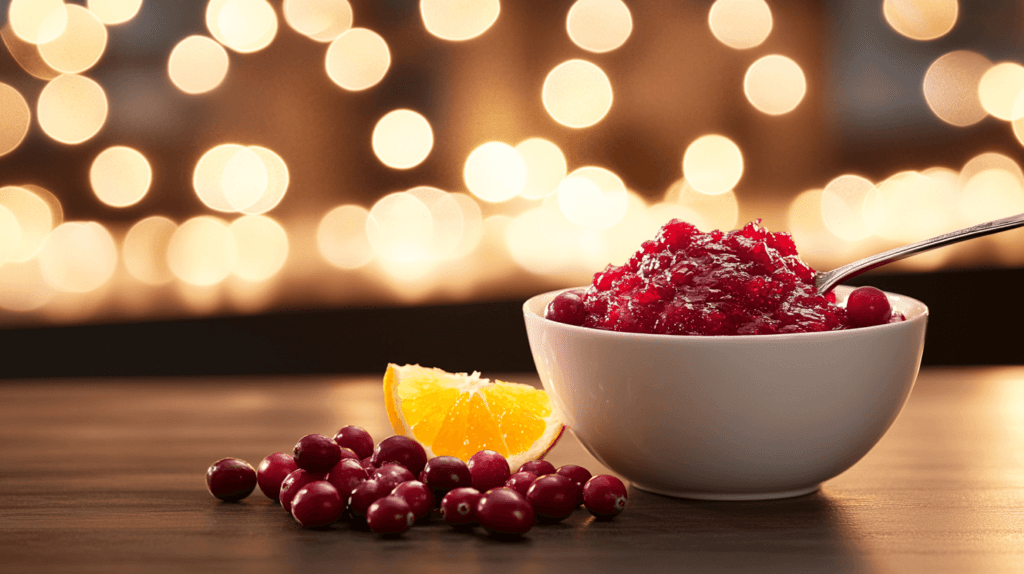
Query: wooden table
<point x="108" y="475"/>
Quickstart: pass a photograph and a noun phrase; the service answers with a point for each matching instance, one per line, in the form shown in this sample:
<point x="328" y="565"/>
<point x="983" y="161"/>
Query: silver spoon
<point x="825" y="281"/>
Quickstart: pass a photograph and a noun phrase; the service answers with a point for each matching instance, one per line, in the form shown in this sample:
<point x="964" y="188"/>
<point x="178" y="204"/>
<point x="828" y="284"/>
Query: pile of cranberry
<point x="391" y="486"/>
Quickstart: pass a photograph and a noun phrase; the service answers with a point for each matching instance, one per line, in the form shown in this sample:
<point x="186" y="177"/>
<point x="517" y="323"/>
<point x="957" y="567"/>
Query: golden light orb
<point x="262" y="245"/>
<point x="599" y="25"/>
<point x="232" y="177"/>
<point x="35" y="219"/>
<point x="202" y="251"/>
<point x="197" y="64"/>
<point x="494" y="172"/>
<point x="37" y="21"/>
<point x="245" y="179"/>
<point x="144" y="250"/>
<point x="577" y="93"/>
<point x="472" y="225"/>
<point x="458" y="20"/>
<point x="112" y="12"/>
<point x="79" y="46"/>
<point x="740" y="24"/>
<point x="402" y="139"/>
<point x="120" y="176"/>
<point x="78" y="257"/>
<point x="10" y="235"/>
<point x="593" y="197"/>
<point x="991" y="194"/>
<point x="358" y="59"/>
<point x="713" y="164"/>
<point x="277" y="181"/>
<point x="1000" y="89"/>
<point x="774" y="84"/>
<point x="22" y="288"/>
<point x="545" y="167"/>
<point x="400" y="228"/>
<point x="320" y="20"/>
<point x="71" y="108"/>
<point x="446" y="218"/>
<point x="951" y="87"/>
<point x="842" y="206"/>
<point x="341" y="237"/>
<point x="921" y="19"/>
<point x="15" y="118"/>
<point x="713" y="212"/>
<point x="245" y="26"/>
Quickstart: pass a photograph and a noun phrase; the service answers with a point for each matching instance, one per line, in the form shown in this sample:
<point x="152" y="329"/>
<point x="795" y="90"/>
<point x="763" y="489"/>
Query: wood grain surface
<point x="108" y="475"/>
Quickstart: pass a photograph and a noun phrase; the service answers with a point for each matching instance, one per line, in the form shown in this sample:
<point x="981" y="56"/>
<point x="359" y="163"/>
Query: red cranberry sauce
<point x="685" y="282"/>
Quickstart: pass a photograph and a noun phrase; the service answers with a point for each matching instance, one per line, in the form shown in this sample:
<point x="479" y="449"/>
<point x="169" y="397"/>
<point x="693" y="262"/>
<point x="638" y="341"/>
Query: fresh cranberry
<point x="417" y="495"/>
<point x="579" y="476"/>
<point x="392" y="474"/>
<point x="365" y="494"/>
<point x="444" y="473"/>
<point x="294" y="482"/>
<point x="538" y="467"/>
<point x="521" y="481"/>
<point x="346" y="475"/>
<point x="348" y="453"/>
<point x="604" y="496"/>
<point x="566" y="307"/>
<point x="403" y="450"/>
<point x="231" y="479"/>
<point x="488" y="470"/>
<point x="867" y="306"/>
<point x="390" y="515"/>
<point x="503" y="511"/>
<point x="356" y="439"/>
<point x="317" y="504"/>
<point x="553" y="497"/>
<point x="317" y="453"/>
<point x="458" y="507"/>
<point x="272" y="471"/>
<point x="368" y="464"/>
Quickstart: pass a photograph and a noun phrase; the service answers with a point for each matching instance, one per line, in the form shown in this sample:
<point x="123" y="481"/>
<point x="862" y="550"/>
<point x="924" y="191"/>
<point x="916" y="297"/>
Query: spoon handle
<point x="823" y="282"/>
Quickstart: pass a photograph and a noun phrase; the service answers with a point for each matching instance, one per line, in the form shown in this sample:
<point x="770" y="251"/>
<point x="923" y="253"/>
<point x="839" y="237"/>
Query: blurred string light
<point x="78" y="257"/>
<point x="27" y="55"/>
<point x="459" y="20"/>
<point x="577" y="93"/>
<point x="10" y="234"/>
<point x="262" y="247"/>
<point x="235" y="178"/>
<point x="446" y="219"/>
<point x="79" y="46"/>
<point x="120" y="176"/>
<point x="1000" y="88"/>
<point x="545" y="167"/>
<point x="22" y="288"/>
<point x="402" y="139"/>
<point x="341" y="237"/>
<point x="37" y="21"/>
<point x="951" y="87"/>
<point x="713" y="164"/>
<point x="495" y="172"/>
<point x="740" y="24"/>
<point x="400" y="228"/>
<point x="911" y="205"/>
<point x="921" y="19"/>
<point x="592" y="197"/>
<point x="599" y="25"/>
<point x="320" y="20"/>
<point x="72" y="108"/>
<point x="197" y="64"/>
<point x="113" y="12"/>
<point x="245" y="26"/>
<point x="144" y="250"/>
<point x="842" y="206"/>
<point x="278" y="179"/>
<point x="202" y="251"/>
<point x="358" y="59"/>
<point x="774" y="84"/>
<point x="706" y="212"/>
<point x="15" y="118"/>
<point x="34" y="218"/>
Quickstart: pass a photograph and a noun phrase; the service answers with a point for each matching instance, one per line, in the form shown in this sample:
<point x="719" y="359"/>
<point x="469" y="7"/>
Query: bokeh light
<point x="197" y="64"/>
<point x="577" y="93"/>
<point x="320" y="20"/>
<point x="10" y="235"/>
<point x="112" y="12"/>
<point x="740" y="24"/>
<point x="495" y="172"/>
<point x="34" y="217"/>
<point x="120" y="176"/>
<point x="774" y="84"/>
<point x="991" y="194"/>
<point x="986" y="161"/>
<point x="921" y="19"/>
<point x="446" y="218"/>
<point x="72" y="108"/>
<point x="78" y="257"/>
<point x="472" y="225"/>
<point x="245" y="179"/>
<point x="545" y="167"/>
<point x="27" y="55"/>
<point x="1000" y="88"/>
<point x="262" y="245"/>
<point x="15" y="118"/>
<point x="951" y="87"/>
<point x="541" y="240"/>
<point x="79" y="46"/>
<point x="842" y="206"/>
<point x="208" y="177"/>
<point x="236" y="178"/>
<point x="341" y="237"/>
<point x="459" y="20"/>
<point x="910" y="206"/>
<point x="37" y="21"/>
<point x="713" y="164"/>
<point x="245" y="26"/>
<point x="592" y="197"/>
<point x="144" y="250"/>
<point x="599" y="25"/>
<point x="358" y="59"/>
<point x="22" y="288"/>
<point x="202" y="251"/>
<point x="706" y="212"/>
<point x="277" y="181"/>
<point x="402" y="139"/>
<point x="400" y="228"/>
<point x="814" y="241"/>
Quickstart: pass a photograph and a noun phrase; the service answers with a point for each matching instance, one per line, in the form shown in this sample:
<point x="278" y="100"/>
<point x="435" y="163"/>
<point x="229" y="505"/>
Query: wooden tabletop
<point x="108" y="475"/>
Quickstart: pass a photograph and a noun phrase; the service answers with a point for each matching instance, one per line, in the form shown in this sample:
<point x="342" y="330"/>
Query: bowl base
<point x="709" y="495"/>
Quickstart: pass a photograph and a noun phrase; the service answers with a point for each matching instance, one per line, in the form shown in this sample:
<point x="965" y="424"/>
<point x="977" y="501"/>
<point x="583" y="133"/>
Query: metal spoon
<point x="825" y="281"/>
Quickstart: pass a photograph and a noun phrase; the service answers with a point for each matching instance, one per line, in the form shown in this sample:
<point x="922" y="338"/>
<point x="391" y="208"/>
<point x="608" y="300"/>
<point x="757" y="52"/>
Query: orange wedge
<point x="456" y="414"/>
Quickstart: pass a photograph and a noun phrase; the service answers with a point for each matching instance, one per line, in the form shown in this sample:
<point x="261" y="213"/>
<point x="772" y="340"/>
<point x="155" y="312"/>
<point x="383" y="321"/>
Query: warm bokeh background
<point x="408" y="172"/>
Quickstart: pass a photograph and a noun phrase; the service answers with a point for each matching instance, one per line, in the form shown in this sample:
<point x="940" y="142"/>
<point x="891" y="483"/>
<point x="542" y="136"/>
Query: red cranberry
<point x="355" y="438"/>
<point x="417" y="495"/>
<point x="346" y="475"/>
<point x="348" y="453"/>
<point x="488" y="470"/>
<point x="503" y="511"/>
<point x="566" y="307"/>
<point x="317" y="504"/>
<point x="392" y="474"/>
<point x="368" y="464"/>
<point x="231" y="479"/>
<point x="444" y="473"/>
<point x="553" y="497"/>
<point x="317" y="453"/>
<point x="272" y="471"/>
<point x="521" y="481"/>
<point x="365" y="494"/>
<point x="295" y="481"/>
<point x="867" y="306"/>
<point x="579" y="476"/>
<point x="604" y="496"/>
<point x="538" y="467"/>
<point x="403" y="450"/>
<point x="458" y="507"/>
<point x="390" y="515"/>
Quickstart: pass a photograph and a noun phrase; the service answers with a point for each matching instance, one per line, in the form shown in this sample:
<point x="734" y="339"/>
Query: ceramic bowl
<point x="734" y="417"/>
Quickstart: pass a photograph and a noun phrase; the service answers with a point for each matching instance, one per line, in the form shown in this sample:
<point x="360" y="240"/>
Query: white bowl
<point x="744" y="417"/>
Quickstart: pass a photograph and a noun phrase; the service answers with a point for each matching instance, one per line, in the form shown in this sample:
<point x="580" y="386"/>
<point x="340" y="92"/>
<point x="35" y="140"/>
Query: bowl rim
<point x="919" y="313"/>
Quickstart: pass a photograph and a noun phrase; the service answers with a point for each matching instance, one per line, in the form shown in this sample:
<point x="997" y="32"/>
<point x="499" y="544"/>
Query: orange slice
<point x="456" y="414"/>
